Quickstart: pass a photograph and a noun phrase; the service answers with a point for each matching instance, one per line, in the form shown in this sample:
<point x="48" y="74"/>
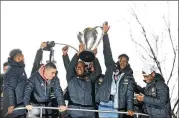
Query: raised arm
<point x="66" y="60"/>
<point x="71" y="68"/>
<point x="107" y="49"/>
<point x="97" y="69"/>
<point x="38" y="58"/>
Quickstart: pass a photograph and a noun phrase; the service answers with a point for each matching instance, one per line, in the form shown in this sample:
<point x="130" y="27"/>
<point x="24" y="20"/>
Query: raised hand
<point x="65" y="50"/>
<point x="105" y="27"/>
<point x="43" y="45"/>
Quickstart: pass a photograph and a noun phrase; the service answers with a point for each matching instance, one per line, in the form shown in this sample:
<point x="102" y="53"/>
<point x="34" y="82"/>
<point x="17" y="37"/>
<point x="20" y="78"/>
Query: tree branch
<point x="173" y="87"/>
<point x="139" y="44"/>
<point x="175" y="105"/>
<point x="174" y="51"/>
<point x="145" y="35"/>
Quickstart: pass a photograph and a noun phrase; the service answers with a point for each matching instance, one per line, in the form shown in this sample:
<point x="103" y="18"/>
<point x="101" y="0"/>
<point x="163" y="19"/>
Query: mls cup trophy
<point x="91" y="39"/>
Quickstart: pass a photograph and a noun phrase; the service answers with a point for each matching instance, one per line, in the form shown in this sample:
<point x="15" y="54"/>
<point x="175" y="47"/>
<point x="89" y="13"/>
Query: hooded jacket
<point x="14" y="82"/>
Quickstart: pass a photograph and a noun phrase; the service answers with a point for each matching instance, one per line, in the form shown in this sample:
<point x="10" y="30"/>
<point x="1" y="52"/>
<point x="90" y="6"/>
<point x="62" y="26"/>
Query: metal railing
<point x="72" y="109"/>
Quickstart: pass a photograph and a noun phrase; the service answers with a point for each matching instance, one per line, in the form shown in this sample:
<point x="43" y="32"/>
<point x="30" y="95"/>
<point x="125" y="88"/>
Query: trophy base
<point x="87" y="55"/>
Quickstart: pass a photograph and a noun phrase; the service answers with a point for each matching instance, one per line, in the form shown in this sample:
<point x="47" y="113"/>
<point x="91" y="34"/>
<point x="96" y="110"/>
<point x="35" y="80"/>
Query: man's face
<point x="123" y="62"/>
<point x="5" y="68"/>
<point x="80" y="68"/>
<point x="148" y="78"/>
<point x="19" y="58"/>
<point x="50" y="73"/>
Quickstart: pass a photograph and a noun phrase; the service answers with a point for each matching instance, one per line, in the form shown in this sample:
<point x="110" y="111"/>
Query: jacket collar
<point x="41" y="72"/>
<point x="14" y="63"/>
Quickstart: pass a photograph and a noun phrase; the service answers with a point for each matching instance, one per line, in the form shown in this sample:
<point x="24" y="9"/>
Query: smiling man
<point x="80" y="86"/>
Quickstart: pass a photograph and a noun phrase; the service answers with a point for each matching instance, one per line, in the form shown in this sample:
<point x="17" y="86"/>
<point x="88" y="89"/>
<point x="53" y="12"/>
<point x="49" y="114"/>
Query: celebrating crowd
<point x="115" y="90"/>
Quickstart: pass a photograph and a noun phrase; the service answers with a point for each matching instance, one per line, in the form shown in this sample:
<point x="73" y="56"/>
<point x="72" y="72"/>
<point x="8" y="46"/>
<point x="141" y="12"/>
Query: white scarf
<point x="115" y="87"/>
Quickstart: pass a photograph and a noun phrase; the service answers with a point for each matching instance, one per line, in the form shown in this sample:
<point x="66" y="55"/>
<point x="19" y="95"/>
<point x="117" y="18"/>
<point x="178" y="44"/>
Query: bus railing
<point x="73" y="109"/>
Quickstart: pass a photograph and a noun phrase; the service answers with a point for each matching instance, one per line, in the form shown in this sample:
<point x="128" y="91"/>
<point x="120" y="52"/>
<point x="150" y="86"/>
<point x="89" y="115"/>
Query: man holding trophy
<point x="80" y="86"/>
<point x="80" y="80"/>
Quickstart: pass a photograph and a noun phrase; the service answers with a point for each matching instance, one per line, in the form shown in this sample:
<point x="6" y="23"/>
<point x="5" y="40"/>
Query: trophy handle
<point x="67" y="45"/>
<point x="99" y="40"/>
<point x="106" y="23"/>
<point x="101" y="36"/>
<point x="79" y="37"/>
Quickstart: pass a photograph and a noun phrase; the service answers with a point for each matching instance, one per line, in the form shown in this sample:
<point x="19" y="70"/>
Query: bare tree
<point x="151" y="51"/>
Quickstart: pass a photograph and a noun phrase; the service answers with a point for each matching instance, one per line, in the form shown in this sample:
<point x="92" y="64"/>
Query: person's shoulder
<point x="35" y="75"/>
<point x="11" y="70"/>
<point x="160" y="84"/>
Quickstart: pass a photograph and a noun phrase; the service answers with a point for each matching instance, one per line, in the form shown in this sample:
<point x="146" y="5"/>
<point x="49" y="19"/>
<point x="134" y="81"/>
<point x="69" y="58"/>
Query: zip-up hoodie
<point x="38" y="89"/>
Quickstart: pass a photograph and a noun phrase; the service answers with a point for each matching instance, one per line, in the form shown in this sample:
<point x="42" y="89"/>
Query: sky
<point x="25" y="24"/>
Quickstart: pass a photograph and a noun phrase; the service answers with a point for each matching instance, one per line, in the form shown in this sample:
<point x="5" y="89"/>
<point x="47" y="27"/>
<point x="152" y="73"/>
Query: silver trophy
<point x="91" y="38"/>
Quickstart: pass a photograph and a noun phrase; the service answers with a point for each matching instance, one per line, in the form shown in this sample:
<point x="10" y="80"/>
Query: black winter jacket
<point x="14" y="82"/>
<point x="38" y="90"/>
<point x="126" y="85"/>
<point x="156" y="101"/>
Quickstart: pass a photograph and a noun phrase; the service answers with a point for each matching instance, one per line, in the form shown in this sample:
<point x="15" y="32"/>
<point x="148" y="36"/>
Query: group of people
<point x="115" y="90"/>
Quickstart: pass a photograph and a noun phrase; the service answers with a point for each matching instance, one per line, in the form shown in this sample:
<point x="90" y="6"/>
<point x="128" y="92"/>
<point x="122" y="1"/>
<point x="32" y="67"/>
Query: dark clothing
<point x="98" y="84"/>
<point x="66" y="61"/>
<point x="95" y="84"/>
<point x="80" y="89"/>
<point x="1" y="91"/>
<point x="53" y="101"/>
<point x="40" y="90"/>
<point x="14" y="84"/>
<point x="156" y="101"/>
<point x="37" y="61"/>
<point x="1" y="83"/>
<point x="126" y="84"/>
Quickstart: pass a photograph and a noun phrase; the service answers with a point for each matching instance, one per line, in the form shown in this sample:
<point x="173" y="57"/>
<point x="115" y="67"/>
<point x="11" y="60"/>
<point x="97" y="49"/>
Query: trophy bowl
<point x="91" y="39"/>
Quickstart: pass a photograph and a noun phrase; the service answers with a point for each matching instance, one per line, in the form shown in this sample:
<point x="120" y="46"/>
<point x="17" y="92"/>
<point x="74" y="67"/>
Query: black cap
<point x="14" y="52"/>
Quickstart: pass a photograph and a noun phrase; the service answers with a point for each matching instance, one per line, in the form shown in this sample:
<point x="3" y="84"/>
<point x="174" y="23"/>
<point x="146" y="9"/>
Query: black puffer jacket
<point x="80" y="89"/>
<point x="14" y="82"/>
<point x="156" y="99"/>
<point x="38" y="90"/>
<point x="1" y="83"/>
<point x="126" y="85"/>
